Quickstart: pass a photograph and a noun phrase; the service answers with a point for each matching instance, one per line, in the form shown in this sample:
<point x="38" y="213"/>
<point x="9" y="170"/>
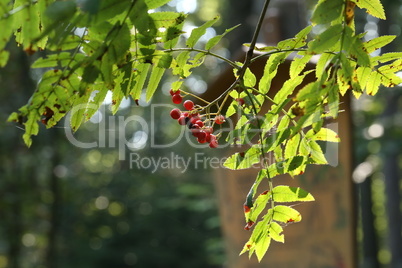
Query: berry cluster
<point x="192" y="119"/>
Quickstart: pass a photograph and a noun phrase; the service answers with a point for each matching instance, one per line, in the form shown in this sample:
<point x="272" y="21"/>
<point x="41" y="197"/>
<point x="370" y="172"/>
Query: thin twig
<point x="206" y="52"/>
<point x="250" y="51"/>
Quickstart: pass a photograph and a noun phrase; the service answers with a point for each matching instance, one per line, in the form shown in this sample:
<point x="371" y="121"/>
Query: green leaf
<point x="298" y="64"/>
<point x="363" y="74"/>
<point x="119" y="43"/>
<point x="288" y="87"/>
<point x="374" y="7"/>
<point x="391" y="68"/>
<point x="4" y="56"/>
<point x="325" y="134"/>
<point x="270" y="70"/>
<point x="31" y="127"/>
<point x="285" y="214"/>
<point x="176" y="85"/>
<point x="97" y="101"/>
<point x="333" y="101"/>
<point x="91" y="73"/>
<point x="354" y="47"/>
<point x="326" y="40"/>
<point x="246" y="128"/>
<point x="284" y="193"/>
<point x="258" y="236"/>
<point x="78" y="112"/>
<point x="139" y="80"/>
<point x="262" y="49"/>
<point x="388" y="76"/>
<point x="258" y="206"/>
<point x="154" y="79"/>
<point x="387" y="57"/>
<point x="90" y="6"/>
<point x="275" y="232"/>
<point x="152" y="4"/>
<point x="249" y="79"/>
<point x="244" y="160"/>
<point x="61" y="10"/>
<point x="262" y="247"/>
<point x="298" y="41"/>
<point x="232" y="109"/>
<point x="294" y="166"/>
<point x="292" y="146"/>
<point x="118" y="92"/>
<point x="322" y="64"/>
<point x="62" y="59"/>
<point x="200" y="31"/>
<point x="179" y="63"/>
<point x="327" y="11"/>
<point x="378" y="42"/>
<point x="314" y="151"/>
<point x="215" y="40"/>
<point x="373" y="83"/>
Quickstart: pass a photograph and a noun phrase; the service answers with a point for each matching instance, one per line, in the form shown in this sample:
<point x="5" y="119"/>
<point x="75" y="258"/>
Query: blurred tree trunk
<point x="55" y="207"/>
<point x="15" y="182"/>
<point x="391" y="168"/>
<point x="392" y="182"/>
<point x="370" y="242"/>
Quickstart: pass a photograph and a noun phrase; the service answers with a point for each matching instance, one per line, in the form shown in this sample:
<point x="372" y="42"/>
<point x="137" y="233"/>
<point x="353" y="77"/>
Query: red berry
<point x="213" y="143"/>
<point x="220" y="119"/>
<point x="208" y="137"/>
<point x="195" y="130"/>
<point x="194" y="119"/>
<point x="188" y="104"/>
<point x="202" y="135"/>
<point x="177" y="92"/>
<point x="240" y="101"/>
<point x="209" y="130"/>
<point x="175" y="113"/>
<point x="199" y="122"/>
<point x="177" y="98"/>
<point x="182" y="120"/>
<point x="201" y="140"/>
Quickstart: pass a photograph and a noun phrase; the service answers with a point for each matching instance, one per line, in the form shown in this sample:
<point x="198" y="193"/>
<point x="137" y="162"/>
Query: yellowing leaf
<point x="262" y="246"/>
<point x="378" y="42"/>
<point x="373" y="83"/>
<point x="324" y="134"/>
<point x="283" y="193"/>
<point x="286" y="214"/>
<point x="275" y="232"/>
<point x="292" y="145"/>
<point x="298" y="64"/>
<point x="374" y="7"/>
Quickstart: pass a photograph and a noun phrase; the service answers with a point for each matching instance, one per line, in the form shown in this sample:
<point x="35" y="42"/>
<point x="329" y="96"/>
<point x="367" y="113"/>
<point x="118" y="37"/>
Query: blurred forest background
<point x="62" y="206"/>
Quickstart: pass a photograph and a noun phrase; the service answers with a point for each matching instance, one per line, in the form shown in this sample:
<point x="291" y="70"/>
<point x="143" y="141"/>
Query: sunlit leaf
<point x="327" y="11"/>
<point x="215" y="40"/>
<point x="154" y="79"/>
<point x="285" y="214"/>
<point x="284" y="193"/>
<point x="270" y="70"/>
<point x="373" y="7"/>
<point x="324" y="134"/>
<point x="199" y="31"/>
<point x="298" y="64"/>
<point x="378" y="42"/>
<point x="275" y="232"/>
<point x="326" y="40"/>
